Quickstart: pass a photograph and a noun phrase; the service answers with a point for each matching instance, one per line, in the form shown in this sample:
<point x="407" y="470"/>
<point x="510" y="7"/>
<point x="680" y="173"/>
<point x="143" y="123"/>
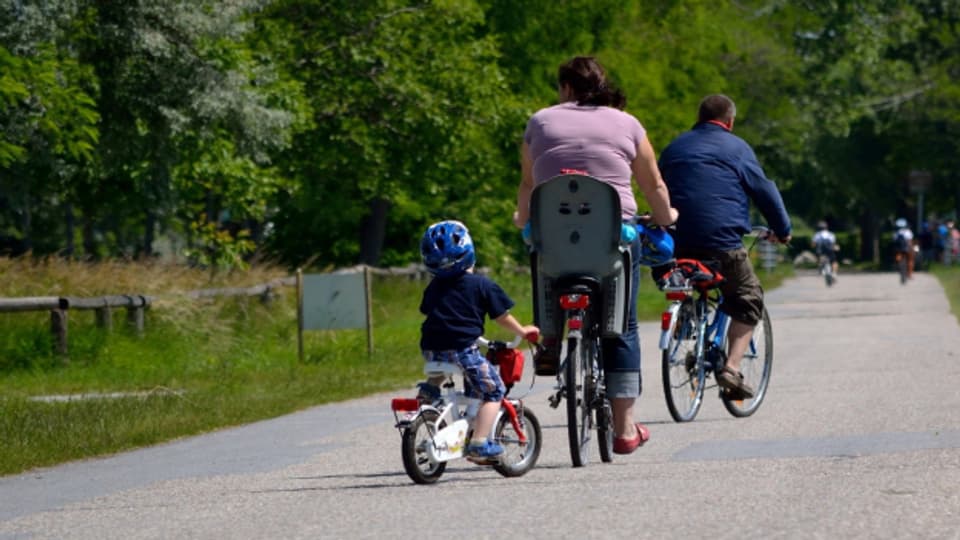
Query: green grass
<point x="201" y="365"/>
<point x="949" y="277"/>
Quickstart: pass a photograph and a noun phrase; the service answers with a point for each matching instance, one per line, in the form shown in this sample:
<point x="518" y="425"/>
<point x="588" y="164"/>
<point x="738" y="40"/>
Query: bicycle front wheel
<point x="579" y="419"/>
<point x="605" y="431"/>
<point x="682" y="368"/>
<point x="756" y="366"/>
<point x="518" y="458"/>
<point x="596" y="395"/>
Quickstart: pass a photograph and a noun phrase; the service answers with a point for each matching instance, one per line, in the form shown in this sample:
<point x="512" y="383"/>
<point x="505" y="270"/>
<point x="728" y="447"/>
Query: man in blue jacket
<point x="712" y="176"/>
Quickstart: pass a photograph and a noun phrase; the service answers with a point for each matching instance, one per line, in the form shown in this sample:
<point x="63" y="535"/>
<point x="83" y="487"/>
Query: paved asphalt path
<point x="859" y="437"/>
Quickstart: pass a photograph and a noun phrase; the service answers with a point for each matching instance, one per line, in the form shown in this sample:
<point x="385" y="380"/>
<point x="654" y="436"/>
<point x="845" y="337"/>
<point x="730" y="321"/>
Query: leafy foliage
<point x="332" y="132"/>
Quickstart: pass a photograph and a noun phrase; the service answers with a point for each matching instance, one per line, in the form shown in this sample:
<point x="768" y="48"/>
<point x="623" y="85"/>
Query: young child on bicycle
<point x="455" y="303"/>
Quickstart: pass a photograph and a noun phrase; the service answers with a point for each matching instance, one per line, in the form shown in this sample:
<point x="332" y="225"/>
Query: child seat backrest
<point x="575" y="227"/>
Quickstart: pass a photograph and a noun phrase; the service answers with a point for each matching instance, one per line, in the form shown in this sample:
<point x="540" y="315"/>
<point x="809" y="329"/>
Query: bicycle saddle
<point x="445" y="368"/>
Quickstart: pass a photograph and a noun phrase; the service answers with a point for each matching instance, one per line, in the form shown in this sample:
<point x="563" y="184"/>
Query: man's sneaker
<point x="488" y="452"/>
<point x="546" y="361"/>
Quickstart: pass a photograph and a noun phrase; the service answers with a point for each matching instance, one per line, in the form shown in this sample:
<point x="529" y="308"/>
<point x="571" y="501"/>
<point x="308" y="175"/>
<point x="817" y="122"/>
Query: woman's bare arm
<point x="522" y="215"/>
<point x="648" y="177"/>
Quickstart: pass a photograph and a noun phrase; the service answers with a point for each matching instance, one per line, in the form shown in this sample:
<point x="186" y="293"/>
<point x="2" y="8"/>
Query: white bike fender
<point x="672" y="309"/>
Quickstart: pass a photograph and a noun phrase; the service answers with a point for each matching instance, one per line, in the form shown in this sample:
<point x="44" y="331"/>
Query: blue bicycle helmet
<point x="447" y="249"/>
<point x="656" y="245"/>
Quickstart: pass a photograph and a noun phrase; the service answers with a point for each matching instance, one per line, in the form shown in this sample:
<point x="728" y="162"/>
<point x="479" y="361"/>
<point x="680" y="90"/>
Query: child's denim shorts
<point x="481" y="378"/>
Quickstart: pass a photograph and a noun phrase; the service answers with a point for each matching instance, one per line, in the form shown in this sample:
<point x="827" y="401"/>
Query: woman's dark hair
<point x="588" y="82"/>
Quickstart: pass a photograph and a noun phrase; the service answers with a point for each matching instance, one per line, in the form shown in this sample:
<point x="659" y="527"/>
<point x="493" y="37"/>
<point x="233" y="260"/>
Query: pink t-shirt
<point x="601" y="141"/>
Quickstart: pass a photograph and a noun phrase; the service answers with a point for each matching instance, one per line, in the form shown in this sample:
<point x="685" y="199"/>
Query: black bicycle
<point x="580" y="265"/>
<point x="581" y="381"/>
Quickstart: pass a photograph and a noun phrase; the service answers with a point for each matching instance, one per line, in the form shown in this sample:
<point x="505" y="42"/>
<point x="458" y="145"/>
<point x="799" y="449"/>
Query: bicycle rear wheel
<point x="579" y="419"/>
<point x="756" y="366"/>
<point x="518" y="458"/>
<point x="826" y="269"/>
<point x="414" y="449"/>
<point x="681" y="369"/>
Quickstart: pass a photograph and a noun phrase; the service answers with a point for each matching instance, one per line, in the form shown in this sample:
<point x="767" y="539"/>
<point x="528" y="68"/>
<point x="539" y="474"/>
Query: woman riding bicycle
<point x="588" y="132"/>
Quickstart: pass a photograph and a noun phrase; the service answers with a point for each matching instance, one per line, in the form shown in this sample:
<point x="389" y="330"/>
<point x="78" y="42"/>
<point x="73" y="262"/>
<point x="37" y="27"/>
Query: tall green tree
<point x="48" y="120"/>
<point x="191" y="118"/>
<point x="874" y="68"/>
<point x="408" y="103"/>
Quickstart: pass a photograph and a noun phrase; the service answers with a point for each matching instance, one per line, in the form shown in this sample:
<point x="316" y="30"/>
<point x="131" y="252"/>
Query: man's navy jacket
<point x="712" y="175"/>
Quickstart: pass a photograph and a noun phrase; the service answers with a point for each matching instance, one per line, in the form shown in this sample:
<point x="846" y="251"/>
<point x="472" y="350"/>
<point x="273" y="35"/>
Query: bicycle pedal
<point x="554" y="400"/>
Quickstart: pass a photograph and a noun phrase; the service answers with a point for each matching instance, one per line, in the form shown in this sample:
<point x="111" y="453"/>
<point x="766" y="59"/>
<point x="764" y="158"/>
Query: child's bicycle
<point x="434" y="433"/>
<point x="694" y="342"/>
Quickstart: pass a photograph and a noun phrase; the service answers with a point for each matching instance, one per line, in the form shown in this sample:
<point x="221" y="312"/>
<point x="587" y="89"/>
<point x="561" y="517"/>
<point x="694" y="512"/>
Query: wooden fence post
<point x="135" y="315"/>
<point x="58" y="327"/>
<point x="300" y="315"/>
<point x="367" y="309"/>
<point x="104" y="318"/>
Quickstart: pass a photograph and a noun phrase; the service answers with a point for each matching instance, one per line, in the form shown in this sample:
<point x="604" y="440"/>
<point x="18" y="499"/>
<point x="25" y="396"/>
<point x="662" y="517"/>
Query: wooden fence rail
<point x="135" y="305"/>
<point x="58" y="306"/>
<point x="266" y="291"/>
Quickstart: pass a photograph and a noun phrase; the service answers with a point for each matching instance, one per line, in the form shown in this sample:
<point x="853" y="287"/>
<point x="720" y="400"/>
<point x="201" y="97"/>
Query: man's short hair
<point x="717" y="107"/>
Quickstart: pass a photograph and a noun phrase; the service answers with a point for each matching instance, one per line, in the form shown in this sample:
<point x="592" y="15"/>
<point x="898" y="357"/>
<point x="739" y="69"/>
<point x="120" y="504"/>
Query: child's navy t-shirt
<point x="455" y="310"/>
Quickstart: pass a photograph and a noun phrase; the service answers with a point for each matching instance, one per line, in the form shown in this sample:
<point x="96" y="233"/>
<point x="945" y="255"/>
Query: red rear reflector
<point x="574" y="301"/>
<point x="665" y="320"/>
<point x="574" y="324"/>
<point x="404" y="404"/>
<point x="676" y="295"/>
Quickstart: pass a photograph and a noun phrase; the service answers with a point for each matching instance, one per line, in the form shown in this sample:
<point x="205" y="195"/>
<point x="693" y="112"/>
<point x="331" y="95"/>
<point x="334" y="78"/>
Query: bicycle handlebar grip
<point x="532" y="337"/>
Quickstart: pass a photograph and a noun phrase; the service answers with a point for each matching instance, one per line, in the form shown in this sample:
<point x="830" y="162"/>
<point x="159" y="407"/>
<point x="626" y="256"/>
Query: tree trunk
<point x="869" y="236"/>
<point x="26" y="224"/>
<point x="373" y="232"/>
<point x="148" y="235"/>
<point x="69" y="248"/>
<point x="89" y="239"/>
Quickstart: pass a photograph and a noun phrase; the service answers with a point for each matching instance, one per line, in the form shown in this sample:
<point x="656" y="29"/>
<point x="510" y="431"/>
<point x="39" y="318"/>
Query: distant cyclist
<point x="825" y="245"/>
<point x="713" y="176"/>
<point x="903" y="245"/>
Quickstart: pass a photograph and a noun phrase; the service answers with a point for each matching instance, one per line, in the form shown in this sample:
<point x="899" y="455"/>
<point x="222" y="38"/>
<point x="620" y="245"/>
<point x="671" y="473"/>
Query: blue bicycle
<point x="694" y="343"/>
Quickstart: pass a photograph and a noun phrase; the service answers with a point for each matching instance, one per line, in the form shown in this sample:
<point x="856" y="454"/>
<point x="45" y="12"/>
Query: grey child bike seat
<point x="575" y="227"/>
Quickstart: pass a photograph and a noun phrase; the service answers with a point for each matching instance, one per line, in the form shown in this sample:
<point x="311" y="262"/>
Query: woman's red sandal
<point x="623" y="445"/>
